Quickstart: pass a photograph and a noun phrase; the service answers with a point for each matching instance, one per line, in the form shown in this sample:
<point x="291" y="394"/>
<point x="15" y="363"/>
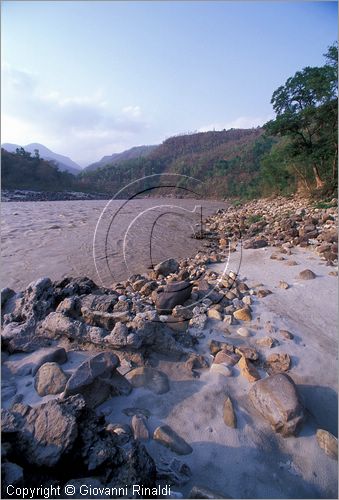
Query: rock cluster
<point x="279" y="222"/>
<point x="65" y="436"/>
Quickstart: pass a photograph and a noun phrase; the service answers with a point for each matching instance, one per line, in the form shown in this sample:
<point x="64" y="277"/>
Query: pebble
<point x="243" y="332"/>
<point x="283" y="284"/>
<point x="267" y="342"/>
<point x="243" y="314"/>
<point x="286" y="334"/>
<point x="328" y="443"/>
<point x="214" y="314"/>
<point x="228" y="413"/>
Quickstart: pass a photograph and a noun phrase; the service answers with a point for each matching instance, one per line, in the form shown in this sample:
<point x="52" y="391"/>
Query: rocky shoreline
<point x="77" y="347"/>
<point x="27" y="195"/>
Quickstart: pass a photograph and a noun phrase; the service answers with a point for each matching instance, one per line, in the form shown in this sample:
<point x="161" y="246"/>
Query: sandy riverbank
<point x="250" y="461"/>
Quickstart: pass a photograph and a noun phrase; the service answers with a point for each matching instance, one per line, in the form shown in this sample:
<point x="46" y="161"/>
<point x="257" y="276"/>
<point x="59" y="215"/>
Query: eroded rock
<point x="276" y="399"/>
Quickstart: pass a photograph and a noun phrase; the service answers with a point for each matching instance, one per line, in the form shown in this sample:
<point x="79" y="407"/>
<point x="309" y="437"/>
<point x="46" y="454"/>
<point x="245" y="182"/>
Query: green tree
<point x="306" y="110"/>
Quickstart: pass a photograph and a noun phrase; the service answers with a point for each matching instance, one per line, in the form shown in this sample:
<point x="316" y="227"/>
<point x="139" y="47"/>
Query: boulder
<point x="70" y="306"/>
<point x="276" y="399"/>
<point x="98" y="318"/>
<point x="46" y="432"/>
<point x="56" y="325"/>
<point x="154" y="380"/>
<point x="171" y="295"/>
<point x="92" y="378"/>
<point x="22" y="337"/>
<point x="166" y="267"/>
<point x="50" y="379"/>
<point x="169" y="438"/>
<point x="307" y="274"/>
<point x="99" y="302"/>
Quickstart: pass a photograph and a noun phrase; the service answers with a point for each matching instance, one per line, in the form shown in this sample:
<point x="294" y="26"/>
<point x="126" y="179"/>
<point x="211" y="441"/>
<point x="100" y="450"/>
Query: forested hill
<point x="22" y="170"/>
<point x="228" y="162"/>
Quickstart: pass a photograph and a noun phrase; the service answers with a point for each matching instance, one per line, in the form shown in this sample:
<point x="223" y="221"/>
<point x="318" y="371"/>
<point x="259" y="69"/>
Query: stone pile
<point x="279" y="222"/>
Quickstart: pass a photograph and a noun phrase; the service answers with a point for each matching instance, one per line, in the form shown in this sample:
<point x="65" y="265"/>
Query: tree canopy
<point x="306" y="108"/>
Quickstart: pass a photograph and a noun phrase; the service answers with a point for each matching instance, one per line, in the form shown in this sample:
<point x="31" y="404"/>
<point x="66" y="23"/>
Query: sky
<point x="89" y="79"/>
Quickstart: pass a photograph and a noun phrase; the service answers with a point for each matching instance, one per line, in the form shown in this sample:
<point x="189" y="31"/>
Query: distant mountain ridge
<point x="64" y="162"/>
<point x="117" y="158"/>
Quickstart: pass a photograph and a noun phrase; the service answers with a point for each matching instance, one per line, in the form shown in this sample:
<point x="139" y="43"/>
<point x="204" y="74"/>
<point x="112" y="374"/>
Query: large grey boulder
<point x="67" y="436"/>
<point x="56" y="325"/>
<point x="92" y="379"/>
<point x="166" y="267"/>
<point x="171" y="295"/>
<point x="22" y="337"/>
<point x="34" y="303"/>
<point x="276" y="399"/>
<point x="46" y="432"/>
<point x="50" y="379"/>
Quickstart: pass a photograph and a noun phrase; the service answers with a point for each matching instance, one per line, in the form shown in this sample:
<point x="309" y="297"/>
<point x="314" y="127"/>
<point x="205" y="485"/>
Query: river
<point x="106" y="241"/>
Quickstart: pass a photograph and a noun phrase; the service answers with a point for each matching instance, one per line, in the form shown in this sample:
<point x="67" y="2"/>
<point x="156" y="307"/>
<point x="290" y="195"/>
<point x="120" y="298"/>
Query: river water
<point x="106" y="241"/>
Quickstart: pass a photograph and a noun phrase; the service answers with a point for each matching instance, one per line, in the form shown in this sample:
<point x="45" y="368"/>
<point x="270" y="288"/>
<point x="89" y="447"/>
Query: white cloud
<point x="133" y="111"/>
<point x="79" y="126"/>
<point x="240" y="122"/>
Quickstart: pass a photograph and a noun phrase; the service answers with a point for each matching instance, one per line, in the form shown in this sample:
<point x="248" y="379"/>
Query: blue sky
<point x="92" y="78"/>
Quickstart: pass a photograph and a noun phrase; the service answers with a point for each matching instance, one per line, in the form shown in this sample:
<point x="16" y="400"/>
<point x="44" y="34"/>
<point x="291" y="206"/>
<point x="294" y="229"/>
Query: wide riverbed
<point x="106" y="241"/>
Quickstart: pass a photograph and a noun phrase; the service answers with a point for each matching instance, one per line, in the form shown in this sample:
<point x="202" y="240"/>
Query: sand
<point x="250" y="461"/>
